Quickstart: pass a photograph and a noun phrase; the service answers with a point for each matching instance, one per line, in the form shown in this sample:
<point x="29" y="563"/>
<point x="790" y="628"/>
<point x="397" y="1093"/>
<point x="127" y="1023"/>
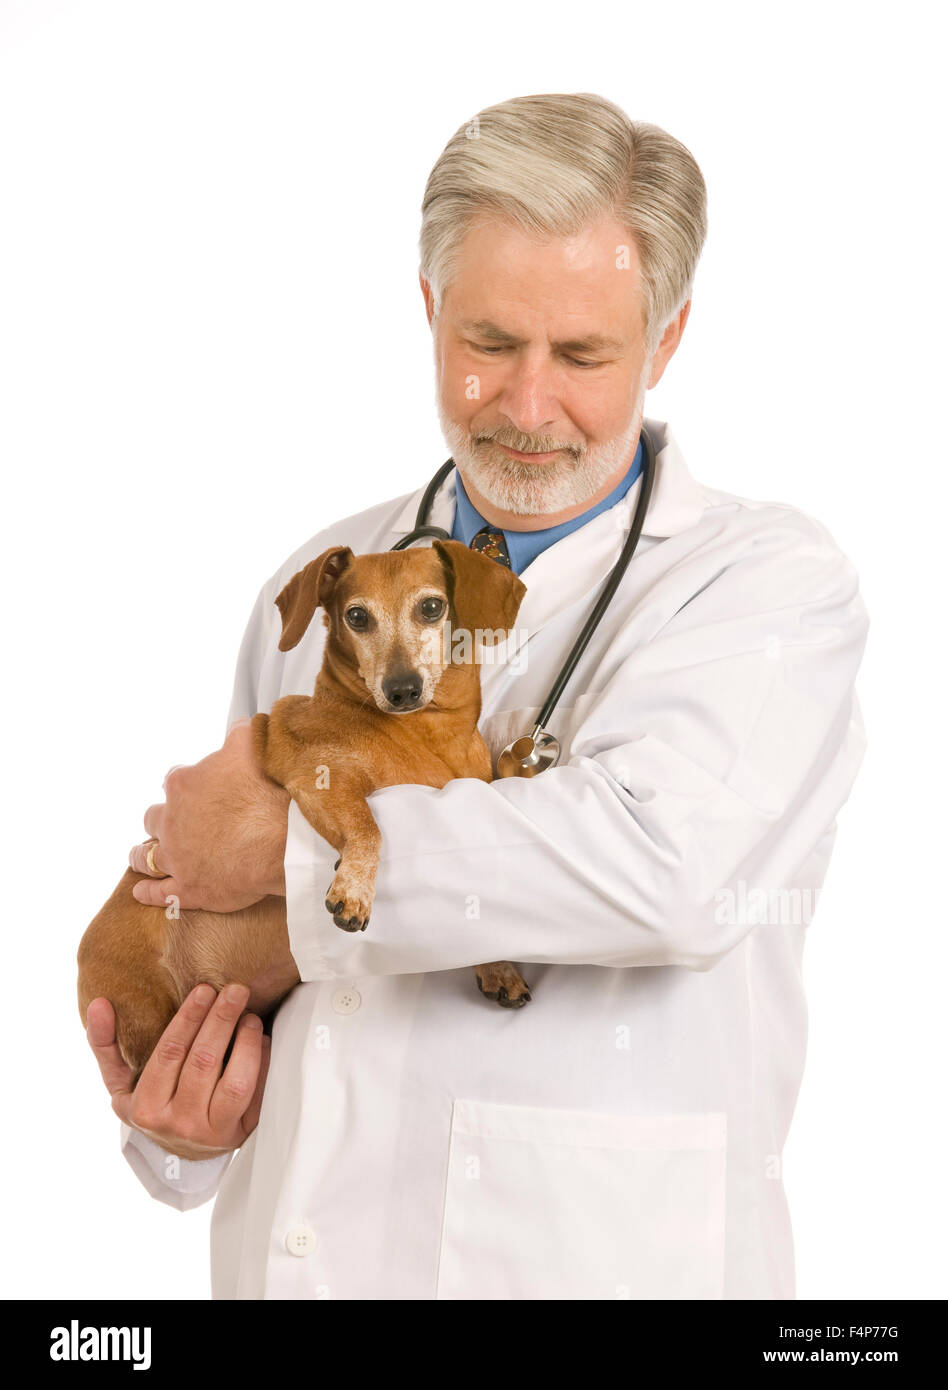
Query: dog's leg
<point x="120" y="959"/>
<point x="503" y="982"/>
<point x="342" y="817"/>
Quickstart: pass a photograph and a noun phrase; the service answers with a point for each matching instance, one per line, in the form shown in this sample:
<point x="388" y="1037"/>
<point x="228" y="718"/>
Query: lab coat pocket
<point x="572" y="1204"/>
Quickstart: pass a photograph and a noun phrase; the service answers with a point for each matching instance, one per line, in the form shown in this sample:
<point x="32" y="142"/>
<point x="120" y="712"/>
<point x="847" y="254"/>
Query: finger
<point x="156" y="891"/>
<point x="164" y="780"/>
<point x="158" y="1081"/>
<point x="100" y="1031"/>
<point x="202" y="1068"/>
<point x="138" y="859"/>
<point x="154" y="820"/>
<point x="235" y="1090"/>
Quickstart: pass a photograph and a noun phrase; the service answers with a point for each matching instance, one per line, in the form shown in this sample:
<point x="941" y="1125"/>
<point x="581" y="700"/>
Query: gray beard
<point x="537" y="489"/>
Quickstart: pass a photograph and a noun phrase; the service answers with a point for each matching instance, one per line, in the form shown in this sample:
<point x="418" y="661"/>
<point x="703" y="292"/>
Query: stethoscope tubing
<point x="605" y="598"/>
<point x="423" y="531"/>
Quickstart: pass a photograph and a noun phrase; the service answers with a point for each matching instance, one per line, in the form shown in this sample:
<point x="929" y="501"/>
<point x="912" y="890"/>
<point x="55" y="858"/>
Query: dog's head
<point x="397" y="620"/>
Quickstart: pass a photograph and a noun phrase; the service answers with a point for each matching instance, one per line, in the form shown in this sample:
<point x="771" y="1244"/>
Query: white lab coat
<point x="621" y="1135"/>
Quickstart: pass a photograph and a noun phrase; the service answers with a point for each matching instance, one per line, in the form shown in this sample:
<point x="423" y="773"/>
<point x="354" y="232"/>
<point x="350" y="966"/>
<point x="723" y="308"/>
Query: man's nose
<point x="528" y="398"/>
<point x="403" y="689"/>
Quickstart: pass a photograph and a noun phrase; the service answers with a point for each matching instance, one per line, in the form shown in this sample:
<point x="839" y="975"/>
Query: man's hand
<point x="218" y="841"/>
<point x="182" y="1100"/>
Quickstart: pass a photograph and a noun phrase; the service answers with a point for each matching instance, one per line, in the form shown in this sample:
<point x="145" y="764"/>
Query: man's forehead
<point x="584" y="342"/>
<point x="586" y="288"/>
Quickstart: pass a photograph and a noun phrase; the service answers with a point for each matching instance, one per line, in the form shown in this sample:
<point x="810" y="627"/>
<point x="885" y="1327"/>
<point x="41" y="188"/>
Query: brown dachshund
<point x="397" y="700"/>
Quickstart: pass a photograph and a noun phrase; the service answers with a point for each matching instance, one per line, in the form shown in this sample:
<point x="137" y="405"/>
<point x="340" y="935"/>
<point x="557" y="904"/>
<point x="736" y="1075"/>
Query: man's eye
<point x="432" y="609"/>
<point x="357" y="618"/>
<point x="573" y="361"/>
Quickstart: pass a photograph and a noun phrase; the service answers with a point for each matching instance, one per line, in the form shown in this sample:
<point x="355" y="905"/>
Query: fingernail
<point x="253" y="1022"/>
<point x="136" y="893"/>
<point x="235" y="993"/>
<point x="204" y="994"/>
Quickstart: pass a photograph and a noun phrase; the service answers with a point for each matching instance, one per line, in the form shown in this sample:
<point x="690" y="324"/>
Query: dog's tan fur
<point x="329" y="750"/>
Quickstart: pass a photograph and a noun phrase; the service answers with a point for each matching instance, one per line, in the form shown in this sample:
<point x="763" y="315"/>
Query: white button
<point x="346" y="1001"/>
<point x="300" y="1241"/>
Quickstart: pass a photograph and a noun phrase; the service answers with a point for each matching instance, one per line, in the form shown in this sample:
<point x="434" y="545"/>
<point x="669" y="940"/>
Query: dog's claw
<point x="505" y="1001"/>
<point x="501" y="997"/>
<point x="354" y="923"/>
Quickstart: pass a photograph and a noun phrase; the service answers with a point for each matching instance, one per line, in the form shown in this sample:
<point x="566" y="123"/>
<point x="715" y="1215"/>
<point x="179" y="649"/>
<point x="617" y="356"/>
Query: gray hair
<point x="552" y="164"/>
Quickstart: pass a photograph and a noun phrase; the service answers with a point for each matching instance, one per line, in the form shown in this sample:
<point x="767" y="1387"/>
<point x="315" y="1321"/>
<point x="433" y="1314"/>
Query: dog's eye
<point x="432" y="609"/>
<point x="357" y="618"/>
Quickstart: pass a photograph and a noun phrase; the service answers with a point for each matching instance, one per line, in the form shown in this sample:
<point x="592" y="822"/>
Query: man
<point x="621" y="1135"/>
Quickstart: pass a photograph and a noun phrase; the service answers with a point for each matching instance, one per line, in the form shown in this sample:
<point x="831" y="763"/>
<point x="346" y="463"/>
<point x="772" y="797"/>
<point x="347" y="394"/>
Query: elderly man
<point x="621" y="1135"/>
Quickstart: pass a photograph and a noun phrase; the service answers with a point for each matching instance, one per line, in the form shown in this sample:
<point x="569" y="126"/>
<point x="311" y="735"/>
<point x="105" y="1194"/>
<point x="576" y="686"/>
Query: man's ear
<point x="308" y="590"/>
<point x="429" y="297"/>
<point x="485" y="595"/>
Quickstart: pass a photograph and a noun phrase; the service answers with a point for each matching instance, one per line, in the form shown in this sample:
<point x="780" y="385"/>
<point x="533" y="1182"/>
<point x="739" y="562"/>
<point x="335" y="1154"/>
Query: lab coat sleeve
<point x="259" y="643"/>
<point x="718" y="750"/>
<point x="178" y="1182"/>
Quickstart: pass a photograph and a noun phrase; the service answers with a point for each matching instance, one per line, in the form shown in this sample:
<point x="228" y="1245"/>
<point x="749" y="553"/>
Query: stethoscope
<point x="535" y="752"/>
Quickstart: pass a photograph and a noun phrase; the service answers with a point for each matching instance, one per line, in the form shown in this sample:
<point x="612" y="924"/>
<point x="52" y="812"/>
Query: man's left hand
<point x="219" y="839"/>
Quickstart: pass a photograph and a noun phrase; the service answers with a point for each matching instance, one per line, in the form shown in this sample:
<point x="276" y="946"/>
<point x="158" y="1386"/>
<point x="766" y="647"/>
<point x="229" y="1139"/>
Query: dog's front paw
<point x="503" y="982"/>
<point x="350" y="902"/>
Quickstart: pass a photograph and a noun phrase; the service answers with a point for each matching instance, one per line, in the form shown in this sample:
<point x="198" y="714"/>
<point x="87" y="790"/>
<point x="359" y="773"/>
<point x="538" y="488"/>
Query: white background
<point x="212" y="344"/>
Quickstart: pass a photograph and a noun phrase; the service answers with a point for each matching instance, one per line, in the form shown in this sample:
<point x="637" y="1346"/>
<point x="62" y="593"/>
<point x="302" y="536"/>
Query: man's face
<point x="540" y="353"/>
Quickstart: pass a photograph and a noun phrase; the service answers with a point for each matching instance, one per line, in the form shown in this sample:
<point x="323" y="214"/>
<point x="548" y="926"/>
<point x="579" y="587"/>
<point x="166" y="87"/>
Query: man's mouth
<point x="530" y="457"/>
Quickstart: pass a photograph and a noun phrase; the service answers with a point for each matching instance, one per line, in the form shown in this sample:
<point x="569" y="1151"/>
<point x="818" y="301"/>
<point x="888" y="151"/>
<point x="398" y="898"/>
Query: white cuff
<point x="309" y="868"/>
<point x="178" y="1182"/>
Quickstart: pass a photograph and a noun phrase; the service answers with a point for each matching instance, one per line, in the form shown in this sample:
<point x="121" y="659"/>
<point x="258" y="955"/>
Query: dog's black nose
<point x="403" y="690"/>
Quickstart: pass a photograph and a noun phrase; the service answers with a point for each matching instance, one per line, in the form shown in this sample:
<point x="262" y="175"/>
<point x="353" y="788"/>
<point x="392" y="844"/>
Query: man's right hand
<point x="183" y="1101"/>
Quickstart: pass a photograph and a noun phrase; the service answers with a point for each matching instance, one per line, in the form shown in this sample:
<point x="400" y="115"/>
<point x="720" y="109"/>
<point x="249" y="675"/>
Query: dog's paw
<point x="504" y="983"/>
<point x="350" y="902"/>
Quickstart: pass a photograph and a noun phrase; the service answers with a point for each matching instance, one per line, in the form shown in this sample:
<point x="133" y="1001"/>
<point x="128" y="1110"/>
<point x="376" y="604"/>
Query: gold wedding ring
<point x="150" y="861"/>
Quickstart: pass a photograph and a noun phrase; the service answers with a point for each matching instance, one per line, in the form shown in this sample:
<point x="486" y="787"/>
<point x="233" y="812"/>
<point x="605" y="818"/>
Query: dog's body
<point x="389" y="707"/>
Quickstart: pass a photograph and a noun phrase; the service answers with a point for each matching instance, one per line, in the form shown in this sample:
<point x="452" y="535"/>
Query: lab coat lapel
<point x="573" y="567"/>
<point x="442" y="511"/>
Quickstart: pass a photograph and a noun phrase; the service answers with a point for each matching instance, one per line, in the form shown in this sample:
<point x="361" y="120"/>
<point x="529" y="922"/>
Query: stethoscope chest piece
<point x="530" y="755"/>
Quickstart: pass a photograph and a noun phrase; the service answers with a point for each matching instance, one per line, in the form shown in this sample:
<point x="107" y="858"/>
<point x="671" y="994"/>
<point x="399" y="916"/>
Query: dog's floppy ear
<point x="309" y="590"/>
<point x="485" y="595"/>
